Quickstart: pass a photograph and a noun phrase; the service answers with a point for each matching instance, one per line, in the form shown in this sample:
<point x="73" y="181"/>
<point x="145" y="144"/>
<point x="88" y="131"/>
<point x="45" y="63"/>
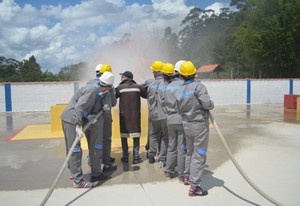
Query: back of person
<point x="194" y="109"/>
<point x="129" y="94"/>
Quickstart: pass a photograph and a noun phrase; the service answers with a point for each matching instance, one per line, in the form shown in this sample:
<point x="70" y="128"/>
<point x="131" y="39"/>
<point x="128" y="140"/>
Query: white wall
<point x="40" y="96"/>
<point x="296" y="86"/>
<point x="269" y="90"/>
<point x="2" y="98"/>
<point x="226" y="92"/>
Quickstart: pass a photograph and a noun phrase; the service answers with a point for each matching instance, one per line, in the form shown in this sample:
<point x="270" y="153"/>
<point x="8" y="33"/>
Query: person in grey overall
<point x="79" y="108"/>
<point x="193" y="104"/>
<point x="158" y="115"/>
<point x="156" y="67"/>
<point x="177" y="144"/>
<point x="110" y="101"/>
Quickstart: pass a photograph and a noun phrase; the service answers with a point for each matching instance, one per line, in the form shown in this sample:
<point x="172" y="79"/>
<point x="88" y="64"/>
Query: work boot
<point x="98" y="178"/>
<point x="151" y="160"/>
<point x="169" y="175"/>
<point x="108" y="168"/>
<point x="124" y="159"/>
<point x="197" y="191"/>
<point x="137" y="160"/>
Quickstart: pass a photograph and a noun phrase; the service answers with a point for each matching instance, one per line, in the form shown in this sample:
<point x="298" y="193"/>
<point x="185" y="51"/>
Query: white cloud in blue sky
<point x="64" y="32"/>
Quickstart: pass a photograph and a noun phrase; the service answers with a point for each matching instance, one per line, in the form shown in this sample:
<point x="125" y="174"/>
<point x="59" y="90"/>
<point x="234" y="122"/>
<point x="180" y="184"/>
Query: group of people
<point x="178" y="124"/>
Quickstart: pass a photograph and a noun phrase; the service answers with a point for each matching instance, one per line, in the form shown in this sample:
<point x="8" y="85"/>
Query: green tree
<point x="72" y="72"/>
<point x="9" y="70"/>
<point x="30" y="70"/>
<point x="48" y="76"/>
<point x="270" y="35"/>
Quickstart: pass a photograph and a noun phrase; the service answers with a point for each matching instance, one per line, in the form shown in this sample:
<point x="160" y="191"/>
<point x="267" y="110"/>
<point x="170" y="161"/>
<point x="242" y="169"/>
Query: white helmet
<point x="177" y="65"/>
<point x="98" y="67"/>
<point x="107" y="79"/>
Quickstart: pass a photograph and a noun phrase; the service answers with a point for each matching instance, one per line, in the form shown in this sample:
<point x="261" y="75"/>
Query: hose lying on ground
<point x="237" y="165"/>
<point x="67" y="159"/>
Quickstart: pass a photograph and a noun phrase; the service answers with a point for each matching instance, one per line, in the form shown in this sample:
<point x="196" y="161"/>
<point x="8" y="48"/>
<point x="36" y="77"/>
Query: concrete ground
<point x="264" y="139"/>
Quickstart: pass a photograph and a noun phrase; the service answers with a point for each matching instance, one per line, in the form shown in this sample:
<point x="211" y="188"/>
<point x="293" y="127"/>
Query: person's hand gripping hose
<point x="79" y="135"/>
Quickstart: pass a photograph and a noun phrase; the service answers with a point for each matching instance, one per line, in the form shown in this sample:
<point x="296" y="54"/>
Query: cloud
<point x="62" y="35"/>
<point x="217" y="6"/>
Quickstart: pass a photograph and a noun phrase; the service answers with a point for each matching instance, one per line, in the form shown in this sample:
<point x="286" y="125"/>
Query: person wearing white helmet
<point x="177" y="145"/>
<point x="177" y="67"/>
<point x="82" y="108"/>
<point x="109" y="100"/>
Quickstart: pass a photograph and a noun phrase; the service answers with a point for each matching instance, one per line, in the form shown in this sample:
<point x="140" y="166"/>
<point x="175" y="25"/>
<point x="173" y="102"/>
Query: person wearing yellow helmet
<point x="193" y="103"/>
<point x="177" y="146"/>
<point x="156" y="68"/>
<point x="158" y="135"/>
<point x="101" y="68"/>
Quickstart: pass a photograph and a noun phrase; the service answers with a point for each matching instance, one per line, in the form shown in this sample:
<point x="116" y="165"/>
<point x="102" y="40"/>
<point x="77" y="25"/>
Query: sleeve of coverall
<point x="203" y="97"/>
<point x="87" y="100"/>
<point x="143" y="90"/>
<point x="117" y="92"/>
<point x="113" y="97"/>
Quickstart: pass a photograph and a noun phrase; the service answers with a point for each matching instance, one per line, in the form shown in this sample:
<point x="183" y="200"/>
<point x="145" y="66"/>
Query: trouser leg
<point x="136" y="147"/>
<point x="107" y="133"/>
<point x="76" y="157"/>
<point x="154" y="137"/>
<point x="164" y="141"/>
<point x="149" y="130"/>
<point x="197" y="143"/>
<point x="124" y="143"/>
<point x="181" y="152"/>
<point x="172" y="149"/>
<point x="96" y="147"/>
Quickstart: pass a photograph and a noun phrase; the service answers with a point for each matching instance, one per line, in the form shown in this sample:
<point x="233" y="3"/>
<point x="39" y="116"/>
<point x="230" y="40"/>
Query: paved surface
<point x="264" y="139"/>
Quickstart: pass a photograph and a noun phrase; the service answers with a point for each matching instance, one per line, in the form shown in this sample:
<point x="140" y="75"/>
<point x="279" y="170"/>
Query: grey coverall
<point x="158" y="119"/>
<point x="111" y="101"/>
<point x="79" y="107"/>
<point x="109" y="98"/>
<point x="177" y="144"/>
<point x="193" y="103"/>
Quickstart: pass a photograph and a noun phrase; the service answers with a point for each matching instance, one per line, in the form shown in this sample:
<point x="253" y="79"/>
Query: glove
<point x="79" y="132"/>
<point x="92" y="118"/>
<point x="106" y="107"/>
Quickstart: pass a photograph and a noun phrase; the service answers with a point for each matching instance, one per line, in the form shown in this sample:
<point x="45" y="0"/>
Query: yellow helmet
<point x="105" y="68"/>
<point x="157" y="66"/>
<point x="187" y="68"/>
<point x="168" y="69"/>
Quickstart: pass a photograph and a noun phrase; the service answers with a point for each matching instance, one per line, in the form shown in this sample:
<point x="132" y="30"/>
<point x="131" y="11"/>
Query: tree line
<point x="261" y="39"/>
<point x="30" y="71"/>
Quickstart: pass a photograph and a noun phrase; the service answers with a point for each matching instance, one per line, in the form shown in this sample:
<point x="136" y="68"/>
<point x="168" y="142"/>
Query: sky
<point x="64" y="32"/>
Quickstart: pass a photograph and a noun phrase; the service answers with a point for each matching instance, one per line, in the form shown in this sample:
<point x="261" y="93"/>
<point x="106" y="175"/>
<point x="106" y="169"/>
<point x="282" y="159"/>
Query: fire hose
<point x="68" y="158"/>
<point x="244" y="175"/>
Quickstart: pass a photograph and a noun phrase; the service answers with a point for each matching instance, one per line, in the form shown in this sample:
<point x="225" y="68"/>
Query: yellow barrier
<point x="56" y="110"/>
<point x="298" y="105"/>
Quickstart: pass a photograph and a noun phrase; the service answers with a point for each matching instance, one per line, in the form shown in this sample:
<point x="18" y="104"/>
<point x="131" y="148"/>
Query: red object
<point x="290" y="101"/>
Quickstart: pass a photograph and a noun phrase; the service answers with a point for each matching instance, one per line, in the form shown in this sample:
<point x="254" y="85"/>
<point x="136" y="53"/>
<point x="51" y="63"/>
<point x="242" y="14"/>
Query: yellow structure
<point x="298" y="105"/>
<point x="56" y="110"/>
